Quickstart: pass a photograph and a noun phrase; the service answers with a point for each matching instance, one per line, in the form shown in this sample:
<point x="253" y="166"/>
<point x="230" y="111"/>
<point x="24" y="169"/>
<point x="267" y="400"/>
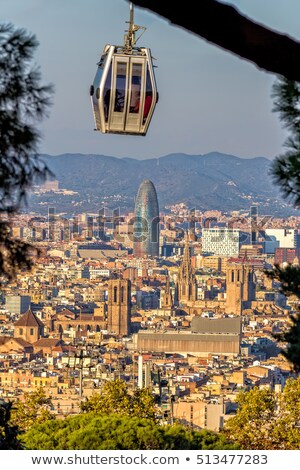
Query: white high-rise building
<point x="223" y="241"/>
<point x="286" y="237"/>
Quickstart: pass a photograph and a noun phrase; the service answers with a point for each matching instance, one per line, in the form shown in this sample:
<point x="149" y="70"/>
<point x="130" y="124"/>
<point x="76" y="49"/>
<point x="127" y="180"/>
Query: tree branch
<point x="224" y="26"/>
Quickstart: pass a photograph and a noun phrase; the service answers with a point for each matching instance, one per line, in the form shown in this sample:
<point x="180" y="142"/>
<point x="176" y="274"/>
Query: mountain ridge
<point x="212" y="181"/>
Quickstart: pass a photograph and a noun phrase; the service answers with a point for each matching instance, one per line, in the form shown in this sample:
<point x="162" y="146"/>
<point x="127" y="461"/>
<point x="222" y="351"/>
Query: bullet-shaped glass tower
<point x="146" y="222"/>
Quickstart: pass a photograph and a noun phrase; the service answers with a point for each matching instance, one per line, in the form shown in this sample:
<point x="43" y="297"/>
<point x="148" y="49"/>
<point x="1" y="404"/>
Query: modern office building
<point x="18" y="304"/>
<point x="146" y="222"/>
<point x="223" y="241"/>
<point x="253" y="224"/>
<point x="286" y="237"/>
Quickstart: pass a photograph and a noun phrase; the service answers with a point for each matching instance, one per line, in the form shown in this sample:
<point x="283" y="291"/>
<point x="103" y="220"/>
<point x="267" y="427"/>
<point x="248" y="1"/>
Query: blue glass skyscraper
<point x="146" y="222"/>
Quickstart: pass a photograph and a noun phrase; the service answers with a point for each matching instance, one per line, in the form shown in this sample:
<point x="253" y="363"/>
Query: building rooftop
<point x="29" y="319"/>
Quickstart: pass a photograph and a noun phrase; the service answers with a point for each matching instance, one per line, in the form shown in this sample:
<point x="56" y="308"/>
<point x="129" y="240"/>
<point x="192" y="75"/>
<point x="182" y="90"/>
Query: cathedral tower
<point x="240" y="286"/>
<point x="167" y="300"/>
<point x="186" y="287"/>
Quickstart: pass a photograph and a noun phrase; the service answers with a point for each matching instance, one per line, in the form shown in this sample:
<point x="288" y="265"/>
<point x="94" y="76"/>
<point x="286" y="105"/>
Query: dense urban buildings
<point x="186" y="310"/>
<point x="146" y="222"/>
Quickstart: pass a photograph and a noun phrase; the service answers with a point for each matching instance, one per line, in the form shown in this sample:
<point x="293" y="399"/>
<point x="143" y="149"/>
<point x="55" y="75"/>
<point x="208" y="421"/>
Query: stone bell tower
<point x="186" y="286"/>
<point x="119" y="306"/>
<point x="240" y="286"/>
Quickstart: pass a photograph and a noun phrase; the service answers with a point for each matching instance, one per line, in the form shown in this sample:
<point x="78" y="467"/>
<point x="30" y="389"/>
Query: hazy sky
<point x="209" y="100"/>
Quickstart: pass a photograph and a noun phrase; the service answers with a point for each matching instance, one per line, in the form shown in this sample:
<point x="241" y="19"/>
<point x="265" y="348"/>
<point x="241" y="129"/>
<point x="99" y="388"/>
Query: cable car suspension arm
<point x="129" y="39"/>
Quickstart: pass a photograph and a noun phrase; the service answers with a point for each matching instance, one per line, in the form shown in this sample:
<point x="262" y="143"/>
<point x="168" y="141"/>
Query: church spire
<point x="186" y="262"/>
<point x="167" y="298"/>
<point x="186" y="282"/>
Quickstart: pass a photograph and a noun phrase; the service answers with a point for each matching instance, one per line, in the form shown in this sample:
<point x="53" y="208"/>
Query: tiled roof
<point x="47" y="342"/>
<point x="29" y="319"/>
<point x="20" y="341"/>
<point x="65" y="313"/>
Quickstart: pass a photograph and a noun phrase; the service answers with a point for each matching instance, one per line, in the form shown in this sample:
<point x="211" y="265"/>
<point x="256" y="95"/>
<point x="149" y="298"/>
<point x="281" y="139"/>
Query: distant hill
<point x="204" y="182"/>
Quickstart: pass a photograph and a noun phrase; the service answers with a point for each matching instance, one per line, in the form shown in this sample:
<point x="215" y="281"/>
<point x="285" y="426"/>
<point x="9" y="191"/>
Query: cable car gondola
<point x="124" y="93"/>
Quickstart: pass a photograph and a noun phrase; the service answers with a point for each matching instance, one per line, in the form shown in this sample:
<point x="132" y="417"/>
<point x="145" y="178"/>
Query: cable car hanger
<point x="130" y="39"/>
<point x="124" y="92"/>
